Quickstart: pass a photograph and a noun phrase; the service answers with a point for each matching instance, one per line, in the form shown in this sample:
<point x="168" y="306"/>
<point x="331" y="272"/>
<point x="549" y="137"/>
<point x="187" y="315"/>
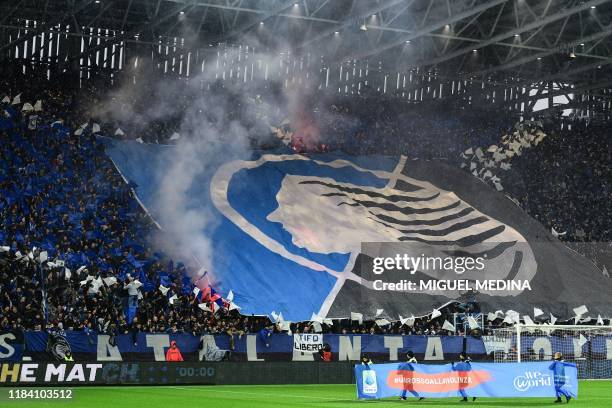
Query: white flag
<point x="230" y="296"/>
<point x="95" y="128"/>
<point x="580" y="310"/>
<point x="163" y="289"/>
<point x="38" y="106"/>
<point x="119" y="132"/>
<point x="316" y="318"/>
<point x="448" y="326"/>
<point x="435" y="313"/>
<point x="6" y="99"/>
<point x="537" y="312"/>
<point x="508" y="319"/>
<point x="409" y="321"/>
<point x="553" y="319"/>
<point x="357" y="316"/>
<point x="175" y="136"/>
<point x="528" y="320"/>
<point x="514" y="316"/>
<point x="582" y="341"/>
<point x="600" y="320"/>
<point x="87" y="279"/>
<point x="277" y="317"/>
<point x="382" y="322"/>
<point x="16" y="100"/>
<point x="80" y="130"/>
<point x="378" y="312"/>
<point x="172" y="299"/>
<point x="110" y="281"/>
<point x="472" y="323"/>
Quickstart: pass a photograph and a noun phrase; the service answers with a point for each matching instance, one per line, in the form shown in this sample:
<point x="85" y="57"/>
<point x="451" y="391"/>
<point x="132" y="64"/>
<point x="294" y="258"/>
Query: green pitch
<point x="593" y="394"/>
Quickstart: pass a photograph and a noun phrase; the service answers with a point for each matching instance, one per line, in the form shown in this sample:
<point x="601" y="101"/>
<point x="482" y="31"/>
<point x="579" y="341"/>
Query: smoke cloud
<point x="215" y="120"/>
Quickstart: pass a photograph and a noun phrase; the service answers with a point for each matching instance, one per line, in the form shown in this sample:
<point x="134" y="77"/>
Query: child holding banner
<point x="463" y="366"/>
<point x="558" y="368"/>
<point x="408" y="386"/>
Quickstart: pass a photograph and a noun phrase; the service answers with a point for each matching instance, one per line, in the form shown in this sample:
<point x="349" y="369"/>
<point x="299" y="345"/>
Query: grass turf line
<point x="592" y="394"/>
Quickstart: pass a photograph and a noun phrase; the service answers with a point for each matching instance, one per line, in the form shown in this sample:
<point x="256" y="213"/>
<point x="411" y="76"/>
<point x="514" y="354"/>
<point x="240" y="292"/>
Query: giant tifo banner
<point x="331" y="234"/>
<point x="250" y="347"/>
<point x="541" y="379"/>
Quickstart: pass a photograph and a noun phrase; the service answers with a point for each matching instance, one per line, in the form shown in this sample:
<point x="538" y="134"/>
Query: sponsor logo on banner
<point x="368" y="379"/>
<point x="531" y="379"/>
<point x="438" y="382"/>
<point x="307" y="343"/>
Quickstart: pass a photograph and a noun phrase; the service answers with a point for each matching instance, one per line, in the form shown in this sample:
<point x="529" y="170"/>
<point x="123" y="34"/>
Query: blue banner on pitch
<point x="538" y="379"/>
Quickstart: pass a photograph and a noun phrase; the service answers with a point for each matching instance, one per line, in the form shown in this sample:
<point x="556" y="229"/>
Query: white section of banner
<point x="308" y="342"/>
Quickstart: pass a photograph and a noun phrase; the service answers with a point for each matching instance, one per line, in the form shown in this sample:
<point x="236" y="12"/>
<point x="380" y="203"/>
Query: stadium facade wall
<point x="251" y="347"/>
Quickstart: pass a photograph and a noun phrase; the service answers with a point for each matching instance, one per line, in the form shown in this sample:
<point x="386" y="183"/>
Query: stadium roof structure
<point x="567" y="41"/>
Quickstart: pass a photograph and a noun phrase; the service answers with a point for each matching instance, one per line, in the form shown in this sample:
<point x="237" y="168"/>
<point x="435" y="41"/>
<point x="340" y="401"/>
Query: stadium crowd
<point x="72" y="229"/>
<point x="566" y="182"/>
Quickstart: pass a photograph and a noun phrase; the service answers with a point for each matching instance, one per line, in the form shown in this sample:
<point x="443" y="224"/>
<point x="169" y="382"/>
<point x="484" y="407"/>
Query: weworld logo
<point x="368" y="379"/>
<point x="531" y="379"/>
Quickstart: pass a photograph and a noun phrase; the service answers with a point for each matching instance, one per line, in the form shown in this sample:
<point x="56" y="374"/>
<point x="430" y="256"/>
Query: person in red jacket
<point x="173" y="353"/>
<point x="325" y="353"/>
